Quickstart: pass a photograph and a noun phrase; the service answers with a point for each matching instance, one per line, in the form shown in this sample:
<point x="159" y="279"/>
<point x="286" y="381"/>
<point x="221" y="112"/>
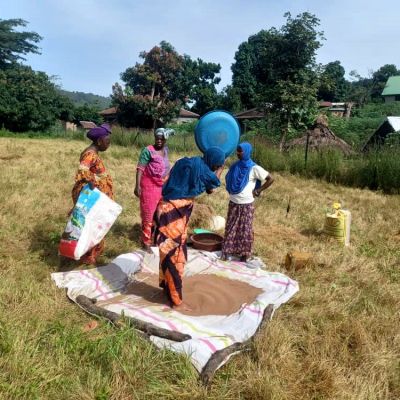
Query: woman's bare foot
<point x="182" y="307"/>
<point x="224" y="257"/>
<point x="88" y="261"/>
<point x="243" y="258"/>
<point x="66" y="264"/>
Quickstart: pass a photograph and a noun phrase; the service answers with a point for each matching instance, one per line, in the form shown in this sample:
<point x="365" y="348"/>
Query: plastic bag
<point x="91" y="218"/>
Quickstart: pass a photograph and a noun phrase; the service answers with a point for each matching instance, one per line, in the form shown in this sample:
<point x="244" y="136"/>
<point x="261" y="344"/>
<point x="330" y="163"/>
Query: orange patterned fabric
<point x="92" y="170"/>
<point x="172" y="219"/>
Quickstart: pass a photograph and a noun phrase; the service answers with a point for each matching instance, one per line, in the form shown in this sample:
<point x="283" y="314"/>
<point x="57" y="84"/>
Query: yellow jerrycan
<point x="337" y="224"/>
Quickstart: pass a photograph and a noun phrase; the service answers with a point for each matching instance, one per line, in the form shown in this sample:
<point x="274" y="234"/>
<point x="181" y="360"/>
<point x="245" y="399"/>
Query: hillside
<point x="81" y="98"/>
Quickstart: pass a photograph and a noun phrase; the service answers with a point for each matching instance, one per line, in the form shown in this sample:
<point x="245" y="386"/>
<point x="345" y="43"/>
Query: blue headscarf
<point x="238" y="175"/>
<point x="192" y="176"/>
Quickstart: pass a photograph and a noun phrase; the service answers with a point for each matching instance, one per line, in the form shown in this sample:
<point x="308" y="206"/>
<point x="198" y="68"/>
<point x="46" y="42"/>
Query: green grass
<point x="336" y="339"/>
<point x="376" y="170"/>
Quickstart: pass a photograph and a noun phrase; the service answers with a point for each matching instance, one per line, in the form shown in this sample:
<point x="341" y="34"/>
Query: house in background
<point x="109" y="115"/>
<point x="249" y="115"/>
<point x="185" y="116"/>
<point x="69" y="126"/>
<point x="72" y="126"/>
<point x="87" y="124"/>
<point x="391" y="126"/>
<point x="391" y="92"/>
<point x="337" y="109"/>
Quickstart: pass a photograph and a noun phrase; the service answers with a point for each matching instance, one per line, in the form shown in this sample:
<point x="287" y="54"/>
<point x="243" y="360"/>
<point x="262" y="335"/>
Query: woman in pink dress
<point x="152" y="171"/>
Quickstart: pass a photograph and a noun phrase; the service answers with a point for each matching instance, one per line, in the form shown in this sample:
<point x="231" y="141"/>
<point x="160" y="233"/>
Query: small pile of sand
<point x="204" y="294"/>
<point x="214" y="295"/>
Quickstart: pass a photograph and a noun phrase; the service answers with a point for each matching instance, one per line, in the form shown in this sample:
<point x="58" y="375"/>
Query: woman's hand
<point x="138" y="191"/>
<point x="256" y="192"/>
<point x="91" y="184"/>
<point x="218" y="172"/>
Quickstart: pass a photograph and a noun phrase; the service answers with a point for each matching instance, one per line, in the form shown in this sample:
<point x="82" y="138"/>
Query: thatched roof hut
<point x="320" y="136"/>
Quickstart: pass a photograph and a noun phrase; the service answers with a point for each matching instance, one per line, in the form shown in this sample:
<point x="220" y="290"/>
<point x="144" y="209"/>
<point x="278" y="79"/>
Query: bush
<point x="378" y="170"/>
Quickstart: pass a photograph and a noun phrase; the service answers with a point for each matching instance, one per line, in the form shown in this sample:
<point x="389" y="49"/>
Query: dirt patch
<point x="205" y="294"/>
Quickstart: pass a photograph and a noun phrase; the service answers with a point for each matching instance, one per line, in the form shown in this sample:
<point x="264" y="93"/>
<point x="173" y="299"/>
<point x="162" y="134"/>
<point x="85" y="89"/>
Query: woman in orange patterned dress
<point x="93" y="172"/>
<point x="189" y="178"/>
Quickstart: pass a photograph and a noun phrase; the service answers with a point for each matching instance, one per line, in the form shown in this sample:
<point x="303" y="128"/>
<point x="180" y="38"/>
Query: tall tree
<point x="199" y="79"/>
<point x="14" y="44"/>
<point x="364" y="89"/>
<point x="86" y="112"/>
<point x="360" y="88"/>
<point x="229" y="99"/>
<point x="333" y="85"/>
<point x="165" y="81"/>
<point x="276" y="68"/>
<point x="29" y="100"/>
<point x="151" y="86"/>
<point x="380" y="77"/>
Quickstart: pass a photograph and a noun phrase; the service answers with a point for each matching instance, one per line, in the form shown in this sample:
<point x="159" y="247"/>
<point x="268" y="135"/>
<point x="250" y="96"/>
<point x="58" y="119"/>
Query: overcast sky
<point x="88" y="43"/>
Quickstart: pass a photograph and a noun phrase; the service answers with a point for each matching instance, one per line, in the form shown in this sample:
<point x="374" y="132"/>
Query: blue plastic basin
<point x="217" y="128"/>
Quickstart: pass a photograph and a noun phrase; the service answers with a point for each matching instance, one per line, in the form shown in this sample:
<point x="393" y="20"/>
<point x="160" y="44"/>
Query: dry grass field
<point x="338" y="338"/>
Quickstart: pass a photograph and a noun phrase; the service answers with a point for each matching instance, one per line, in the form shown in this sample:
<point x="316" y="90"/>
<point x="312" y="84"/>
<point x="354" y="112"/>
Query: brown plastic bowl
<point x="207" y="241"/>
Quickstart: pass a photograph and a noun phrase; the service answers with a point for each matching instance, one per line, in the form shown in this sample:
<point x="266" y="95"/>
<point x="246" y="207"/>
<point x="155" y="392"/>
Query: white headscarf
<point x="164" y="132"/>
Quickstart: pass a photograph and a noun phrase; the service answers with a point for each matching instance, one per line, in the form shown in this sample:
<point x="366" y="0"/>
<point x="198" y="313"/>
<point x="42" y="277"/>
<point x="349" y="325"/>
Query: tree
<point x="333" y="85"/>
<point x="380" y="77"/>
<point x="360" y="88"/>
<point x="200" y="78"/>
<point x="15" y="44"/>
<point x="28" y="99"/>
<point x="229" y="99"/>
<point x="151" y="86"/>
<point x="276" y="69"/>
<point x="86" y="112"/>
<point x="156" y="89"/>
<point x="246" y="70"/>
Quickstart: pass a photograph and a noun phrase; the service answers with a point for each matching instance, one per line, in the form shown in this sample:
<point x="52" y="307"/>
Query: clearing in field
<point x="336" y="339"/>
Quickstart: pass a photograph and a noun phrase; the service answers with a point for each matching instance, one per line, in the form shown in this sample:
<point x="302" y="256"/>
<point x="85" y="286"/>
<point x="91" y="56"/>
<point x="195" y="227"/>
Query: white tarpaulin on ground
<point x="210" y="333"/>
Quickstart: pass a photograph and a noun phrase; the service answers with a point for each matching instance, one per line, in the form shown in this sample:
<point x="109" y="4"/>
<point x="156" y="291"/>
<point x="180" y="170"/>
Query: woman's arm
<point x="137" y="190"/>
<point x="268" y="182"/>
<point x="218" y="174"/>
<point x="84" y="174"/>
<point x="144" y="159"/>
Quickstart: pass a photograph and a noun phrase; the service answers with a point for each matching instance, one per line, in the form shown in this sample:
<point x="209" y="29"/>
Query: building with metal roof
<point x="391" y="92"/>
<point x="391" y="126"/>
<point x="185" y="116"/>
